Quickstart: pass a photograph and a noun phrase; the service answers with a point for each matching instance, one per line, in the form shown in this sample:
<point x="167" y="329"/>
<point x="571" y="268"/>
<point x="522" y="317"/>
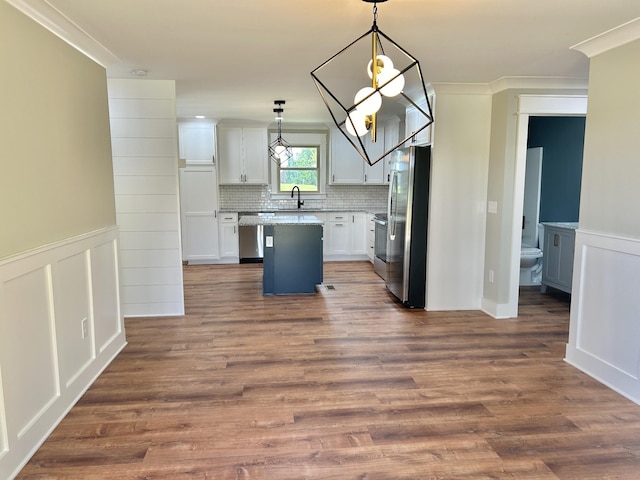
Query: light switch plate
<point x="268" y="241"/>
<point x="492" y="207"/>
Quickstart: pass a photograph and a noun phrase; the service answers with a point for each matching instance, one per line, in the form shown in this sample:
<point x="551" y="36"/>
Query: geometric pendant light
<point x="368" y="82"/>
<point x="279" y="149"/>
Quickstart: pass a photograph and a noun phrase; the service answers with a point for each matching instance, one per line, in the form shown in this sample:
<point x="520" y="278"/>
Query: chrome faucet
<point x="300" y="202"/>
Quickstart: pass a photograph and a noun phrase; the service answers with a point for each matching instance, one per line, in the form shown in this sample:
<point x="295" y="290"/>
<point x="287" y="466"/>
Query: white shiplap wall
<point x="145" y="169"/>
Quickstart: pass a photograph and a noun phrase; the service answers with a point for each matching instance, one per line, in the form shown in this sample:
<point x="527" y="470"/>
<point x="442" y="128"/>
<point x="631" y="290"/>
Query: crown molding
<point x="543" y="83"/>
<point x="616" y="37"/>
<point x="43" y="13"/>
<point x="462" y="88"/>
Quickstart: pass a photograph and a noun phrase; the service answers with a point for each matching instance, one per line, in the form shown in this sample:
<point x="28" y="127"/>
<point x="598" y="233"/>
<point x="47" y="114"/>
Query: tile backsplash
<point x="249" y="198"/>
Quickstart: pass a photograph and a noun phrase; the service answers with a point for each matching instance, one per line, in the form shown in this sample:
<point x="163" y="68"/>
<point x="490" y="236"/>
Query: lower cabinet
<point x="371" y="237"/>
<point x="229" y="246"/>
<point x="347" y="236"/>
<point x="557" y="259"/>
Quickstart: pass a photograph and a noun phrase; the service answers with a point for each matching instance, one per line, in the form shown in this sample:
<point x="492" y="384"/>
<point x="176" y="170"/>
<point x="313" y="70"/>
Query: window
<point x="302" y="169"/>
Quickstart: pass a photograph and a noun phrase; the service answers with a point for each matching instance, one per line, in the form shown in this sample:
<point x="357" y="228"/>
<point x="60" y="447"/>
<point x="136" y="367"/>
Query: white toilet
<point x="531" y="261"/>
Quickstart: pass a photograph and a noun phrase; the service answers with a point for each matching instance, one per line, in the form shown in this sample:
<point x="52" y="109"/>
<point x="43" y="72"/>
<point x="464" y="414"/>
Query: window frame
<point x="313" y="137"/>
<point x="317" y="169"/>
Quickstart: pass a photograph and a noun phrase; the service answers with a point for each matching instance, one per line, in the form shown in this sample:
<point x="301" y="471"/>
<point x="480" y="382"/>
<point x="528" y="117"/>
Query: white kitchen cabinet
<point x="198" y="212"/>
<point x="347" y="166"/>
<point x="243" y="155"/>
<point x="229" y="246"/>
<point x="371" y="236"/>
<point x="374" y="174"/>
<point x="347" y="235"/>
<point x="415" y="119"/>
<point x="358" y="245"/>
<point x="557" y="259"/>
<point x="391" y="139"/>
<point x="196" y="142"/>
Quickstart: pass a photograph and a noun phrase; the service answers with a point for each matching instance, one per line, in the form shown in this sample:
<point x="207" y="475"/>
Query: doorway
<point x="532" y="106"/>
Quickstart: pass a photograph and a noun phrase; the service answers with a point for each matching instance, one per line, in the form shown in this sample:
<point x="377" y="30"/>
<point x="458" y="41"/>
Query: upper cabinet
<point x="242" y="155"/>
<point x="347" y="165"/>
<point x="414" y="119"/>
<point x="196" y="141"/>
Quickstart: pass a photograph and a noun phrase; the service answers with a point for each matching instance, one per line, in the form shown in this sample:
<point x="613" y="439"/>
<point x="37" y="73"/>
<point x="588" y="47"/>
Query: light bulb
<point x="356" y="123"/>
<point x="368" y="101"/>
<point x="395" y="86"/>
<point x="280" y="150"/>
<point x="382" y="61"/>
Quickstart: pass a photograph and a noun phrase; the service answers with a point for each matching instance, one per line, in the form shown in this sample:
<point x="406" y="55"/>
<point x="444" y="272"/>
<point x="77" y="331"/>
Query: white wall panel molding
<point x="604" y="329"/>
<point x="47" y="358"/>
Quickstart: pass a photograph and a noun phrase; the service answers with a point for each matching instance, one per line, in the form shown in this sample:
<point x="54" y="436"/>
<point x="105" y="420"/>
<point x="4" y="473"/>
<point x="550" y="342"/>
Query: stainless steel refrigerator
<point x="408" y="208"/>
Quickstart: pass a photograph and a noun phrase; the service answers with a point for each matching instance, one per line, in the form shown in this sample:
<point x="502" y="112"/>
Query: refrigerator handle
<point x="392" y="196"/>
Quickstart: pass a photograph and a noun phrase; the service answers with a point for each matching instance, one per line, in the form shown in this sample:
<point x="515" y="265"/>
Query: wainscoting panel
<point x="61" y="326"/>
<point x="604" y="336"/>
<point x="27" y="349"/>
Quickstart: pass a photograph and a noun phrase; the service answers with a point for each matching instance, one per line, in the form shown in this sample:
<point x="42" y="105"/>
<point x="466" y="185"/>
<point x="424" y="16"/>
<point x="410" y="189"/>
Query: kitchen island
<point x="292" y="252"/>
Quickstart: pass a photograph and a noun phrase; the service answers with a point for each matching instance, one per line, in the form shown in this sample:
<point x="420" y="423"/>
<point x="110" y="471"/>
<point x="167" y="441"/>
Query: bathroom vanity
<point x="557" y="262"/>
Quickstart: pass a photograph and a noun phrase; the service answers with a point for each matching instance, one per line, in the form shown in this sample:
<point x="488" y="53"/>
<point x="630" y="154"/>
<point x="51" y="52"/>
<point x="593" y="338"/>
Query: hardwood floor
<point x="345" y="384"/>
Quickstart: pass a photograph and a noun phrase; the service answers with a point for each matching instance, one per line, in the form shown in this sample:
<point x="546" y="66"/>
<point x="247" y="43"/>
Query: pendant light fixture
<point x="279" y="149"/>
<point x="386" y="81"/>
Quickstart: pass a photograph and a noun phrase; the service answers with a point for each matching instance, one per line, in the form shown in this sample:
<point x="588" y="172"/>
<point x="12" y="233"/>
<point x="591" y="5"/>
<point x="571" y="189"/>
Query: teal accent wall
<point x="562" y="140"/>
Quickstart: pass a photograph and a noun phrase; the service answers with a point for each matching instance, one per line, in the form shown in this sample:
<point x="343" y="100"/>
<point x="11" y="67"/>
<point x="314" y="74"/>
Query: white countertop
<point x="569" y="225"/>
<point x="288" y="219"/>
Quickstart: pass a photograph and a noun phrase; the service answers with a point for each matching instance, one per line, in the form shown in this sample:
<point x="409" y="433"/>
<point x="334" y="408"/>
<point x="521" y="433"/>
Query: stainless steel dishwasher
<point x="250" y="238"/>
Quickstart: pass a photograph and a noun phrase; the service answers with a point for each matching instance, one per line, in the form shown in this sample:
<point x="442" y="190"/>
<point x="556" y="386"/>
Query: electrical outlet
<point x="85" y="328"/>
<point x="491" y="276"/>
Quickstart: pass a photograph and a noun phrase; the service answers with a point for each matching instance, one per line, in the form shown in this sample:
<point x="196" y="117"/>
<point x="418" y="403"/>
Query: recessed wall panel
<point x="27" y="355"/>
<point x="71" y="300"/>
<point x="104" y="278"/>
<point x="608" y="327"/>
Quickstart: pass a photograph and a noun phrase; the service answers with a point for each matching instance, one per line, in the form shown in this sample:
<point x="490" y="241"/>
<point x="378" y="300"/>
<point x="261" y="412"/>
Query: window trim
<point x="303" y="138"/>
<point x="317" y="169"/>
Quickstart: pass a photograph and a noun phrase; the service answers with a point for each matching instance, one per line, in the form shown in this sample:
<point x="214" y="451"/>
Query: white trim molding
<point x="61" y="327"/>
<point x="616" y="37"/>
<point x="45" y="14"/>
<point x="604" y="328"/>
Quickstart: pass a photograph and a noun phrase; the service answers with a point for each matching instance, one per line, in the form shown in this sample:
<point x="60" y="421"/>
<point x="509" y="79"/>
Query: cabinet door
<point x="339" y="237"/>
<point x="391" y="138"/>
<point x="230" y="155"/>
<point x="374" y="174"/>
<point x="358" y="237"/>
<point x="347" y="166"/>
<point x="196" y="142"/>
<point x="199" y="206"/>
<point x="414" y="120"/>
<point x="256" y="158"/>
<point x="229" y="239"/>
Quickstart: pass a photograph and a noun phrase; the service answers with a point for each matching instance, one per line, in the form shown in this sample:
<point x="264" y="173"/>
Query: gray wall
<point x="56" y="180"/>
<point x="562" y="140"/>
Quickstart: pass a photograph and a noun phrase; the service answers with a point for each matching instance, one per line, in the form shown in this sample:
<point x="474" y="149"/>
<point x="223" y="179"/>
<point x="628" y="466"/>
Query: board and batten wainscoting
<point x="61" y="326"/>
<point x="604" y="328"/>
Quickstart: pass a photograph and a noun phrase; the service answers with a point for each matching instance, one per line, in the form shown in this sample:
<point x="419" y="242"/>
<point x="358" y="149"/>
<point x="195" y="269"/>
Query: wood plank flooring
<point x="341" y="385"/>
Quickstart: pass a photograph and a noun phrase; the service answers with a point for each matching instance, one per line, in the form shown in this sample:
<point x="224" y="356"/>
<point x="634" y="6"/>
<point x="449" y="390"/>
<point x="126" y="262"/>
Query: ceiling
<point x="231" y="59"/>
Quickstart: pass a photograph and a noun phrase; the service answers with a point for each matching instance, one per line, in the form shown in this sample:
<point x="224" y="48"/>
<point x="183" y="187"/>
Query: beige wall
<point x="611" y="167"/>
<point x="56" y="177"/>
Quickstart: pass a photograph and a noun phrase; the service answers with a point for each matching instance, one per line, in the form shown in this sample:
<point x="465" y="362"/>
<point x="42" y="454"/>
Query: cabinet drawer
<point x="340" y="217"/>
<point x="229" y="217"/>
